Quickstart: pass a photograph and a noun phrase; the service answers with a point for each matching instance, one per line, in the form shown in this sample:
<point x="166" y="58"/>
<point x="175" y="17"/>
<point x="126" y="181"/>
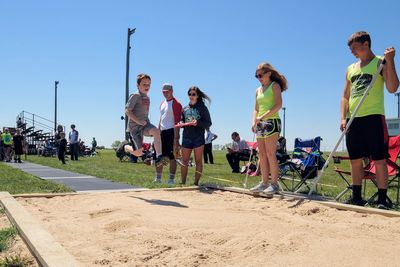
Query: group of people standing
<point x="11" y="144"/>
<point x="366" y="137"/>
<point x="194" y="118"/>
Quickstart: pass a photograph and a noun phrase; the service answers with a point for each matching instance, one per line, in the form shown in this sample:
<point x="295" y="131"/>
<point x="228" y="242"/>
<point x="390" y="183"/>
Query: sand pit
<point x="213" y="228"/>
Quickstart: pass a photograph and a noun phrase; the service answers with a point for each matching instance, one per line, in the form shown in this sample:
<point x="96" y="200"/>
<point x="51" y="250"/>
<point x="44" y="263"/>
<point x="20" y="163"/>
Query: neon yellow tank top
<point x="266" y="101"/>
<point x="359" y="79"/>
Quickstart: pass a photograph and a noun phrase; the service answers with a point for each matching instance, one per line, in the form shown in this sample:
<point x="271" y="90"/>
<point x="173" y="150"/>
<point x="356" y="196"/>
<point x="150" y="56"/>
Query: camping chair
<point x="370" y="172"/>
<point x="251" y="160"/>
<point x="304" y="164"/>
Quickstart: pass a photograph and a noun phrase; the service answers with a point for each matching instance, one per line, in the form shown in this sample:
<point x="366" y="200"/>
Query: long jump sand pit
<point x="213" y="228"/>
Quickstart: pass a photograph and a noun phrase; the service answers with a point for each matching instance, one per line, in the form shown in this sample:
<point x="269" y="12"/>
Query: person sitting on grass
<point x="239" y="150"/>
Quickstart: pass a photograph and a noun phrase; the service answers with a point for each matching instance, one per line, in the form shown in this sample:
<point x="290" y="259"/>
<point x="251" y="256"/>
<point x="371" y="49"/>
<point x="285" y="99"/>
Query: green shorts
<point x="268" y="127"/>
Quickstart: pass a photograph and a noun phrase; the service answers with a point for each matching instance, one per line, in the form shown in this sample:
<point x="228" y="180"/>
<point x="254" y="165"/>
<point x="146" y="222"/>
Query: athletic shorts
<point x="191" y="143"/>
<point x="268" y="127"/>
<point x="167" y="143"/>
<point x="137" y="132"/>
<point x="368" y="137"/>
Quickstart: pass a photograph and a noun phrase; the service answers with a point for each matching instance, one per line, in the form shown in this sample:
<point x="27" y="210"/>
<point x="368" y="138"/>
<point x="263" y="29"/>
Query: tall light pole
<point x="284" y="120"/>
<point x="55" y="105"/>
<point x="128" y="48"/>
<point x="398" y="104"/>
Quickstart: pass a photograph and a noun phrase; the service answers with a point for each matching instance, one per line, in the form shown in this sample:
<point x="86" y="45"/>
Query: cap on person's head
<point x="167" y="87"/>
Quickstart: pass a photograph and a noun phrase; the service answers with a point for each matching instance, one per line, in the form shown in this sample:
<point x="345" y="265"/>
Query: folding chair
<point x="250" y="159"/>
<point x="370" y="172"/>
<point x="304" y="164"/>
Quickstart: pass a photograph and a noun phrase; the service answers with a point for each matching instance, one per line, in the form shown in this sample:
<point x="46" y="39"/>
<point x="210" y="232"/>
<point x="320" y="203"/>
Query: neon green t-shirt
<point x="7" y="138"/>
<point x="359" y="79"/>
<point x="266" y="101"/>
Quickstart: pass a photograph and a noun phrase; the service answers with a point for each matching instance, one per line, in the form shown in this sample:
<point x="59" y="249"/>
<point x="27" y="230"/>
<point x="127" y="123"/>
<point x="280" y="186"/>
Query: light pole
<point x="128" y="48"/>
<point x="284" y="120"/>
<point x="398" y="104"/>
<point x="55" y="105"/>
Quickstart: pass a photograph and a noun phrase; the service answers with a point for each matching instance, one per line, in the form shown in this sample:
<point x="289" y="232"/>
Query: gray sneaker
<point x="171" y="181"/>
<point x="157" y="180"/>
<point x="259" y="188"/>
<point x="272" y="189"/>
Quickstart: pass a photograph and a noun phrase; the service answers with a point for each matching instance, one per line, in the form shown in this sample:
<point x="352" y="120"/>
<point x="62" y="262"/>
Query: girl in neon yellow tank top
<point x="266" y="124"/>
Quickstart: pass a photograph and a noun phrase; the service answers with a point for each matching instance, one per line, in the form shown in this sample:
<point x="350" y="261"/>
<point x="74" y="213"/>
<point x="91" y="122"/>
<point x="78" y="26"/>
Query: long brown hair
<point x="275" y="75"/>
<point x="201" y="94"/>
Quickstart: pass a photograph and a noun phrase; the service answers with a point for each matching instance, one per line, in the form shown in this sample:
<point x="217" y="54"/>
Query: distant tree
<point x="115" y="144"/>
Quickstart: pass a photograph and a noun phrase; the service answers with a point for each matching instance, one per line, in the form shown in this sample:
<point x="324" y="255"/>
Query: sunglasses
<point x="259" y="76"/>
<point x="192" y="94"/>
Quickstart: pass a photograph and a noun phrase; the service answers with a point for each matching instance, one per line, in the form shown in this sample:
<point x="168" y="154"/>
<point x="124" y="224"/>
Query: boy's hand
<point x="389" y="54"/>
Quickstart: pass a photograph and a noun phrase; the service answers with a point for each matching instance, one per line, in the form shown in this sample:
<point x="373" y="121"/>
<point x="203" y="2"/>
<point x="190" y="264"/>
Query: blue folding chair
<point x="303" y="165"/>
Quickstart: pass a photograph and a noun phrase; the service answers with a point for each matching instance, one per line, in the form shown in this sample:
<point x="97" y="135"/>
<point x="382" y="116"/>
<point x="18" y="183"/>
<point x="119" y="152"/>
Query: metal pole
<point x="398" y="104"/>
<point x="55" y="105"/>
<point x="128" y="48"/>
<point x="284" y="120"/>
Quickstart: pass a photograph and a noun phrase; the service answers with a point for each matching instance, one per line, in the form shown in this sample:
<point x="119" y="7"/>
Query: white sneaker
<point x="171" y="181"/>
<point x="272" y="189"/>
<point x="157" y="180"/>
<point x="259" y="188"/>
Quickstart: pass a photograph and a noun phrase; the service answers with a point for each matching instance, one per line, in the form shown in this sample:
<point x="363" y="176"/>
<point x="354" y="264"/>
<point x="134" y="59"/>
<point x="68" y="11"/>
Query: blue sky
<point x="215" y="45"/>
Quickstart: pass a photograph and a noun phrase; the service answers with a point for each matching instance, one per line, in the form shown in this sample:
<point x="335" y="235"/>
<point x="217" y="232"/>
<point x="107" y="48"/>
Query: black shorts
<point x="194" y="142"/>
<point x="167" y="143"/>
<point x="368" y="137"/>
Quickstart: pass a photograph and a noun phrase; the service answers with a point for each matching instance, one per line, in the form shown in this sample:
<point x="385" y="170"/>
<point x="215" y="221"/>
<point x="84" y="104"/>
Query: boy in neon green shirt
<point x="367" y="135"/>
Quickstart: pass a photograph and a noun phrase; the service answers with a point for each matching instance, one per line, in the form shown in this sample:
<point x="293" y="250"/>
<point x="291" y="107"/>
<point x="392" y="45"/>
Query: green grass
<point x="7" y="235"/>
<point x="17" y="182"/>
<point x="15" y="261"/>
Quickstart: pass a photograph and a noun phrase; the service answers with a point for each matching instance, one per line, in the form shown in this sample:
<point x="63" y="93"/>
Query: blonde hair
<point x="275" y="75"/>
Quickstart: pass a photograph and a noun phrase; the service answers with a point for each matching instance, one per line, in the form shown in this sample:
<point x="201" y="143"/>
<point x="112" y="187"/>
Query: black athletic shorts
<point x="167" y="143"/>
<point x="368" y="137"/>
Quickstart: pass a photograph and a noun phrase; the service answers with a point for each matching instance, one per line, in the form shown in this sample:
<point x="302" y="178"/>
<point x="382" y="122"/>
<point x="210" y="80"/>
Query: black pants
<point x="74" y="148"/>
<point x="61" y="156"/>
<point x="207" y="153"/>
<point x="235" y="158"/>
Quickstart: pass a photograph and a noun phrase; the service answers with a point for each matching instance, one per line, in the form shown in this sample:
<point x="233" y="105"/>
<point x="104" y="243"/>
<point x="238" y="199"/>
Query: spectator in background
<point x="7" y="142"/>
<point x="239" y="150"/>
<point x="18" y="142"/>
<point x="73" y="139"/>
<point x="57" y="137"/>
<point x="208" y="155"/>
<point x="1" y="147"/>
<point x="94" y="144"/>
<point x="62" y="148"/>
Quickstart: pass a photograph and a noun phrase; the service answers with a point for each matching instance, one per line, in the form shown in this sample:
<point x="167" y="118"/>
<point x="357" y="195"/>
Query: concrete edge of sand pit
<point x="43" y="246"/>
<point x="50" y="195"/>
<point x="317" y="199"/>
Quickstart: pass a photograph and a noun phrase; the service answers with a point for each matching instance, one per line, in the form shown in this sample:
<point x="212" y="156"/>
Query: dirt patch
<point x="213" y="228"/>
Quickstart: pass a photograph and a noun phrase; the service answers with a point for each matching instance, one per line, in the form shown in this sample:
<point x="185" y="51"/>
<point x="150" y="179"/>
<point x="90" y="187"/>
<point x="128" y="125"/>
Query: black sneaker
<point x="384" y="206"/>
<point x="357" y="202"/>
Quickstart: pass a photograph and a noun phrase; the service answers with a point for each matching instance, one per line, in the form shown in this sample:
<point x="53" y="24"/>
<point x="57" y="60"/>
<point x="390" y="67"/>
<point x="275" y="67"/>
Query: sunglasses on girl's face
<point x="259" y="76"/>
<point x="192" y="94"/>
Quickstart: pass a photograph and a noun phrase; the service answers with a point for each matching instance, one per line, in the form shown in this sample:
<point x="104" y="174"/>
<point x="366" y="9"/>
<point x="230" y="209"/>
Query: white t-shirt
<point x="209" y="136"/>
<point x="167" y="116"/>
